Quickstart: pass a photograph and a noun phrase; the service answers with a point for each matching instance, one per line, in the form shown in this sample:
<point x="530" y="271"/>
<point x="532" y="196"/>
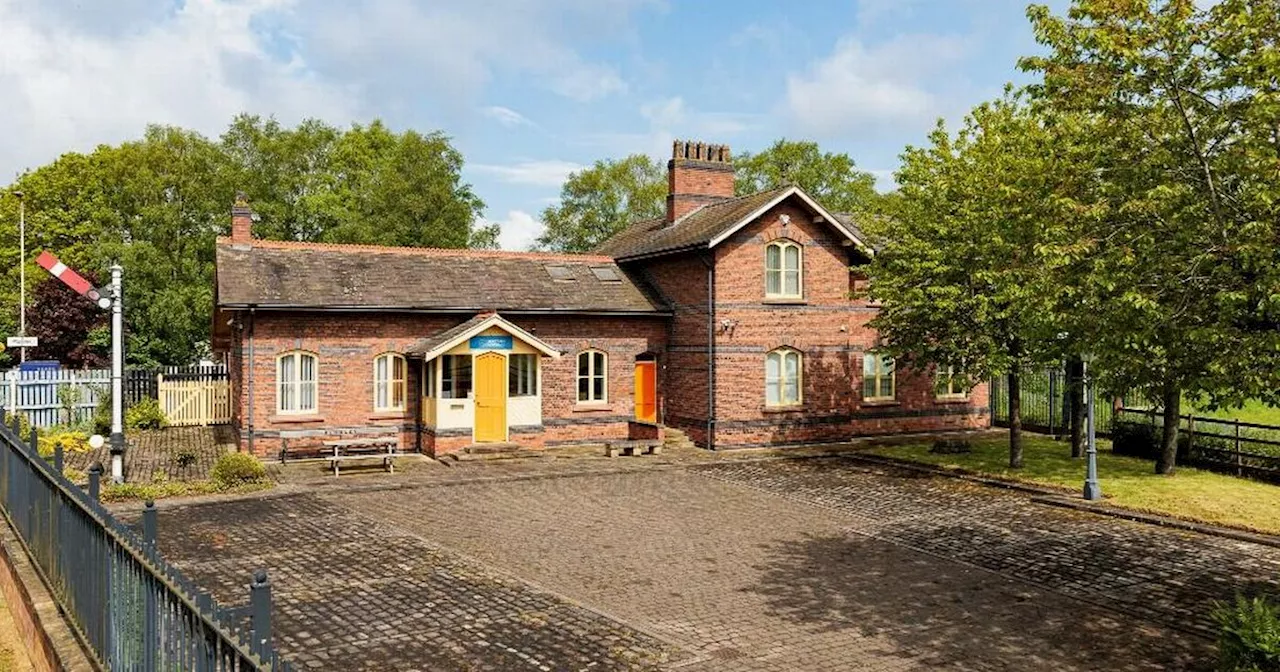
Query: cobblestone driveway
<point x="817" y="564"/>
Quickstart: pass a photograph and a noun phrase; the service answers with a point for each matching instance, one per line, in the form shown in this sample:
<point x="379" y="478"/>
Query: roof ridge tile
<point x="424" y="251"/>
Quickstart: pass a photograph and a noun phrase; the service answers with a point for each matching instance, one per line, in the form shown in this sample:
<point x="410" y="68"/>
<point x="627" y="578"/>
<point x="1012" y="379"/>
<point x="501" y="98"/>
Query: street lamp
<point x="1092" y="491"/>
<point x="22" y="271"/>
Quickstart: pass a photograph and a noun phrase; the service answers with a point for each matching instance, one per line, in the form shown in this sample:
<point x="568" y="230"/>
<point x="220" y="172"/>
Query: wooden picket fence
<point x="49" y="398"/>
<point x="195" y="401"/>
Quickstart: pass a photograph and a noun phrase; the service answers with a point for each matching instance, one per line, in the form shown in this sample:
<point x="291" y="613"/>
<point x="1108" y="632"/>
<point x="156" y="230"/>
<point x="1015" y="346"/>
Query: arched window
<point x="782" y="264"/>
<point x="388" y="382"/>
<point x="949" y="384"/>
<point x="878" y="377"/>
<point x="297" y="374"/>
<point x="782" y="376"/>
<point x="593" y="369"/>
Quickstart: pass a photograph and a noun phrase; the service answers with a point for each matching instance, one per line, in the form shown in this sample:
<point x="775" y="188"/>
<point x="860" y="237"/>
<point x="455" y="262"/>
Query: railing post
<point x="1053" y="379"/>
<point x="57" y="457"/>
<point x="1191" y="435"/>
<point x="1239" y="462"/>
<point x="95" y="481"/>
<point x="150" y="634"/>
<point x="260" y="613"/>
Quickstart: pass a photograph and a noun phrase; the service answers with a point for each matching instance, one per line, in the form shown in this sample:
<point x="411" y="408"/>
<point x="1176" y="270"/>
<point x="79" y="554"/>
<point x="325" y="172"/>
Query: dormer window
<point x="782" y="264"/>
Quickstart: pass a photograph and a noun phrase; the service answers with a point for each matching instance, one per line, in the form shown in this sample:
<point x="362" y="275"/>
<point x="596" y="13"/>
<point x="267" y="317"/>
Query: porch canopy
<point x="433" y="346"/>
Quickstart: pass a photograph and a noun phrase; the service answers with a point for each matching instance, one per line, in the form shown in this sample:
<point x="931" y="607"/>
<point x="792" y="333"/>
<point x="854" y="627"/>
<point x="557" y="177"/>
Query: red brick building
<point x="730" y="318"/>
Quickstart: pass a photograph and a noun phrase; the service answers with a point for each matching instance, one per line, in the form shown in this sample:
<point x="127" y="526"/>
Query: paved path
<point x="815" y="564"/>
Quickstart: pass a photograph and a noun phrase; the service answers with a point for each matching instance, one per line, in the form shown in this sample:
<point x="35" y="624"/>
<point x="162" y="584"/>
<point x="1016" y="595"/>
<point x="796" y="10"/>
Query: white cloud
<point x="585" y="83"/>
<point x="671" y="118"/>
<point x="505" y="116"/>
<point x="537" y="173"/>
<point x="859" y="88"/>
<point x="519" y="230"/>
<point x="69" y="84"/>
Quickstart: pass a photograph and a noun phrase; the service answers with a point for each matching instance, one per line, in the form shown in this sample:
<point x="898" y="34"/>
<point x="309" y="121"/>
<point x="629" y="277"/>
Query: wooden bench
<point x="384" y="447"/>
<point x="634" y="447"/>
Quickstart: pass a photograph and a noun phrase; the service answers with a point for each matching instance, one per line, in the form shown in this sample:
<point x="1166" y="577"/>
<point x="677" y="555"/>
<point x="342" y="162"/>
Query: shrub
<point x="1135" y="439"/>
<point x="1249" y="637"/>
<point x="69" y="399"/>
<point x="24" y="425"/>
<point x="185" y="457"/>
<point x="102" y="412"/>
<point x="72" y="442"/>
<point x="234" y="469"/>
<point x="145" y="414"/>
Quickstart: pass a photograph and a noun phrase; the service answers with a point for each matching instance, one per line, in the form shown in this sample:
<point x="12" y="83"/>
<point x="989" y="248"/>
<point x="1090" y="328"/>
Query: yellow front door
<point x="491" y="397"/>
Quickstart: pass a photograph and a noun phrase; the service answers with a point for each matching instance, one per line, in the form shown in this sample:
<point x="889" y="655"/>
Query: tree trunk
<point x="1167" y="462"/>
<point x="1015" y="418"/>
<point x="1075" y="407"/>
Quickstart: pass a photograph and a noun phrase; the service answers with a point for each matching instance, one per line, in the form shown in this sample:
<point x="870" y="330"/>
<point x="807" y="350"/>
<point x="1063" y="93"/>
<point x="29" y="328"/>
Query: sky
<point x="528" y="90"/>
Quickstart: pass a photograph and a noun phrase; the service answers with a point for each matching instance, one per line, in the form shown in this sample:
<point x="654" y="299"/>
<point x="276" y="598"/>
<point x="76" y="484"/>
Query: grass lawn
<point x="1252" y="411"/>
<point x="1191" y="494"/>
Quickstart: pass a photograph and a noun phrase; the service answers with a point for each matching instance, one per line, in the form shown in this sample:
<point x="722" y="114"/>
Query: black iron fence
<point x="1227" y="446"/>
<point x="1045" y="403"/>
<point x="131" y="608"/>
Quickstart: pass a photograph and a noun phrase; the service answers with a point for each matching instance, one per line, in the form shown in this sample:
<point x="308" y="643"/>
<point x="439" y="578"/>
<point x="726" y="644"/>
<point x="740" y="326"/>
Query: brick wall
<point x="831" y="331"/>
<point x="346" y="345"/>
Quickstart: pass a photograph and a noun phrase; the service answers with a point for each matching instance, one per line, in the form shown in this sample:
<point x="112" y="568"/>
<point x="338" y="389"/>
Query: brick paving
<point x="813" y="564"/>
<point x="157" y="454"/>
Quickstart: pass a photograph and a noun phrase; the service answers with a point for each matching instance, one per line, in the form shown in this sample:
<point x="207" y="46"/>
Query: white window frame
<point x="297" y="384"/>
<point x="429" y="377"/>
<point x="878" y="375"/>
<point x="781" y="271"/>
<point x="389" y="384"/>
<point x="781" y="381"/>
<point x="592" y="374"/>
<point x="948" y="389"/>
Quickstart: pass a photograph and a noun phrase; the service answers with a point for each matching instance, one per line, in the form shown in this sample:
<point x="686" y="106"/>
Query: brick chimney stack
<point x="697" y="174"/>
<point x="241" y="219"/>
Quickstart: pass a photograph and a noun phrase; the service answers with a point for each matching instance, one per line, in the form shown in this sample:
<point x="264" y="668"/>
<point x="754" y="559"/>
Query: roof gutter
<point x="451" y="310"/>
<point x="662" y="253"/>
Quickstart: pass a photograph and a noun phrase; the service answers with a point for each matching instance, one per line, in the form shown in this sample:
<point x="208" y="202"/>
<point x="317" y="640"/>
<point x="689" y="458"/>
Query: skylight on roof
<point x="606" y="274"/>
<point x="560" y="273"/>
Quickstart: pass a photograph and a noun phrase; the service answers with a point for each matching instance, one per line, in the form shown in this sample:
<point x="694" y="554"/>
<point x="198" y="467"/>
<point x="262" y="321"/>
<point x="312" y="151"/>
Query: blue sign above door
<point x="493" y="342"/>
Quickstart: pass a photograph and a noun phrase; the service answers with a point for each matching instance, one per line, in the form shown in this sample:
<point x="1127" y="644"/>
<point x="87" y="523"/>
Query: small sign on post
<point x="22" y="342"/>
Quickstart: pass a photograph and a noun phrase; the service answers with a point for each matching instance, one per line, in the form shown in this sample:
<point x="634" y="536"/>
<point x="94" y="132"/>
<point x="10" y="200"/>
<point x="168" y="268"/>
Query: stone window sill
<point x="300" y="419"/>
<point x="783" y="301"/>
<point x="881" y="402"/>
<point x="592" y="408"/>
<point x="390" y="415"/>
<point x="788" y="408"/>
<point x="951" y="400"/>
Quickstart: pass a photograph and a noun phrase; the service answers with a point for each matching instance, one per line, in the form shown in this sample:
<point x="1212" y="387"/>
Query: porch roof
<point x="435" y="345"/>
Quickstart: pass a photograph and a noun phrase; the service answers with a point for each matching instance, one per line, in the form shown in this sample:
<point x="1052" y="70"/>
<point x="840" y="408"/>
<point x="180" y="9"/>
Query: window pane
<point x="584" y="364"/>
<point x="868" y="387"/>
<point x="307" y="402"/>
<point x="288" y="373"/>
<point x="773" y="366"/>
<point x="886" y="386"/>
<point x="868" y="365"/>
<point x="773" y="282"/>
<point x="397" y="394"/>
<point x="599" y="389"/>
<point x="462" y="376"/>
<point x="771" y="392"/>
<point x="792" y="284"/>
<point x="308" y="368"/>
<point x="584" y="388"/>
<point x="380" y="394"/>
<point x="773" y="257"/>
<point x="791" y="393"/>
<point x="397" y="367"/>
<point x="599" y="364"/>
<point x="791" y="257"/>
<point x="792" y="366"/>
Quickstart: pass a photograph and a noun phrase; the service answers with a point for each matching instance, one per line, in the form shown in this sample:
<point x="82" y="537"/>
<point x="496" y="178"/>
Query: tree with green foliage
<point x="1180" y="105"/>
<point x="967" y="273"/>
<point x="833" y="179"/>
<point x="599" y="201"/>
<point x="156" y="204"/>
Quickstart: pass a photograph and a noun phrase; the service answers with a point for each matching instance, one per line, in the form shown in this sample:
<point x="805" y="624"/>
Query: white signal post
<point x="115" y="302"/>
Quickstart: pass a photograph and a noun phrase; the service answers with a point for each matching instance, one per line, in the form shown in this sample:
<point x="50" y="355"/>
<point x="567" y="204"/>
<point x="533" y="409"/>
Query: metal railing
<point x="131" y="609"/>
<point x="1044" y="403"/>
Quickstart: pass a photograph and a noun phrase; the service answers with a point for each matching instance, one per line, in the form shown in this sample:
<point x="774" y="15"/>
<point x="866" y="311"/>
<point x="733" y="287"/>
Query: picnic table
<point x="335" y="451"/>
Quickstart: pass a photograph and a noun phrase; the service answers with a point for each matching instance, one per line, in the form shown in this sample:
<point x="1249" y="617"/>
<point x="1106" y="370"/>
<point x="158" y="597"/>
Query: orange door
<point x="647" y="391"/>
<point x="491" y="398"/>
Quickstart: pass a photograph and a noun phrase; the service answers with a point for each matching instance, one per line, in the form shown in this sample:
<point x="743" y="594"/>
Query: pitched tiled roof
<point x="312" y="275"/>
<point x="696" y="229"/>
<point x="429" y="343"/>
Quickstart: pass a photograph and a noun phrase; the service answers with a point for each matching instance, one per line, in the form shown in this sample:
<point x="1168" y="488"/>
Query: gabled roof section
<point x="433" y="346"/>
<point x="314" y="276"/>
<point x="710" y="225"/>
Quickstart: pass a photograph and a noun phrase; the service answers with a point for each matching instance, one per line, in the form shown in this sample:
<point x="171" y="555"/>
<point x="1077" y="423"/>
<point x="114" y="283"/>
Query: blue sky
<point x="529" y="90"/>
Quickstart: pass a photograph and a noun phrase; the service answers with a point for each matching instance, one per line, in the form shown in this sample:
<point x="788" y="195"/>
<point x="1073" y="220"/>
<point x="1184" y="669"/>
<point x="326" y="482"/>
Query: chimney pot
<point x="698" y="174"/>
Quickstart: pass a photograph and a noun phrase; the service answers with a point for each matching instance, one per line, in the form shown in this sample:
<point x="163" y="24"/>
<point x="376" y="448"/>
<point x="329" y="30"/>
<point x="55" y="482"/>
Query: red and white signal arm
<point x="72" y="279"/>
